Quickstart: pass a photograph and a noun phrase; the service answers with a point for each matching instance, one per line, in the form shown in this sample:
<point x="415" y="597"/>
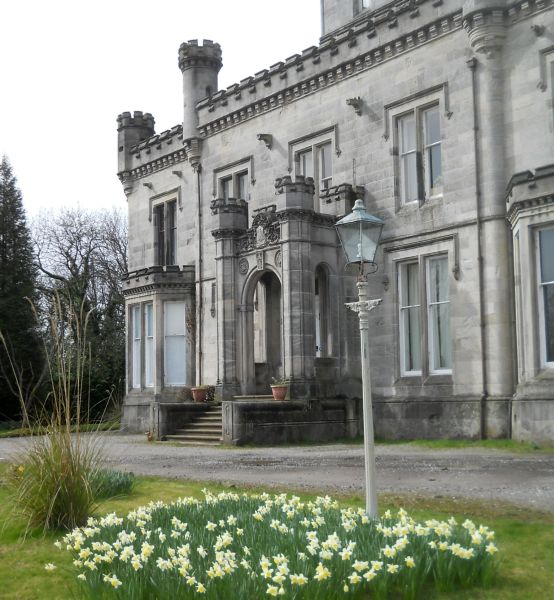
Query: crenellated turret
<point x="130" y="131"/>
<point x="200" y="66"/>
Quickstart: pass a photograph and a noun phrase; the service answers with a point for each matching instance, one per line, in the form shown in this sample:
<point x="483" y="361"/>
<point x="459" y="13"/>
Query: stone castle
<point x="439" y="114"/>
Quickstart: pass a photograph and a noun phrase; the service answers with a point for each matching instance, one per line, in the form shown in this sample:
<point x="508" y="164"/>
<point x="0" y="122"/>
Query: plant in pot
<point x="200" y="393"/>
<point x="279" y="388"/>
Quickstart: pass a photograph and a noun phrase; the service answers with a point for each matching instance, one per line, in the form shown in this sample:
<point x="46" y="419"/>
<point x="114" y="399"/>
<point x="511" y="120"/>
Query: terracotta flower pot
<point x="199" y="394"/>
<point x="279" y="391"/>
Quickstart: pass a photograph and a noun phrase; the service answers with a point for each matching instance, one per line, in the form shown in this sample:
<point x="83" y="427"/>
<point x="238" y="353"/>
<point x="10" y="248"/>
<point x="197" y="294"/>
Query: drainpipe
<point x="472" y="64"/>
<point x="200" y="299"/>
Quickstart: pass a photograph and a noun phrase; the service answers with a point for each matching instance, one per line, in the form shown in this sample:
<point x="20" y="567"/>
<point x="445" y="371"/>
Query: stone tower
<point x="200" y="66"/>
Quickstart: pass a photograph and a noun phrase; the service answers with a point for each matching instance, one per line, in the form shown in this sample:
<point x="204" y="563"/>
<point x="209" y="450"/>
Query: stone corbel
<point x="266" y="138"/>
<point x="356" y="104"/>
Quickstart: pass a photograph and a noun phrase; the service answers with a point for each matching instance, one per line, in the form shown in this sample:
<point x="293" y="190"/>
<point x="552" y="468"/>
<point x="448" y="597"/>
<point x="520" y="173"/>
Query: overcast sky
<point x="69" y="67"/>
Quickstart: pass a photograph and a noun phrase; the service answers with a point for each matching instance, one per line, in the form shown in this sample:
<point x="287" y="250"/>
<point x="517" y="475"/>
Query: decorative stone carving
<point x="265" y="230"/>
<point x="243" y="266"/>
<point x="260" y="260"/>
<point x="278" y="258"/>
<point x="356" y="104"/>
<point x="484" y="21"/>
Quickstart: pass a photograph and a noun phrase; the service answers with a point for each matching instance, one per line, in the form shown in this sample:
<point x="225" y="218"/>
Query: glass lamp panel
<point x="359" y="241"/>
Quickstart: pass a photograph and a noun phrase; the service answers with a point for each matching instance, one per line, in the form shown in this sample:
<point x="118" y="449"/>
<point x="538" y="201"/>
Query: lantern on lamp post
<point x="359" y="233"/>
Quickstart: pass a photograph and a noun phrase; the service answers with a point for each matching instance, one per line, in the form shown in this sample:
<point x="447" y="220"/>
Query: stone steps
<point x="204" y="430"/>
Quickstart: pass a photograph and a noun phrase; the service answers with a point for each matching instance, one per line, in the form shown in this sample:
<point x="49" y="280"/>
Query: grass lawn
<point x="525" y="539"/>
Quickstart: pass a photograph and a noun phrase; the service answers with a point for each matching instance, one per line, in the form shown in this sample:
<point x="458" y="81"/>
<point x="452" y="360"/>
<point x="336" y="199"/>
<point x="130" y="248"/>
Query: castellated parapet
<point x="200" y="66"/>
<point x="130" y="131"/>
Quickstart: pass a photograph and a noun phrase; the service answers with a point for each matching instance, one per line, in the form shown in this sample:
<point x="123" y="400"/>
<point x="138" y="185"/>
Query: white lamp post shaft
<point x="362" y="307"/>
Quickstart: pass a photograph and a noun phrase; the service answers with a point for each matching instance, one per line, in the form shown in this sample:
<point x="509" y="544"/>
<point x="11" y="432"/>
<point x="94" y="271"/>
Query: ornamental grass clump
<point x="53" y="478"/>
<point x="256" y="546"/>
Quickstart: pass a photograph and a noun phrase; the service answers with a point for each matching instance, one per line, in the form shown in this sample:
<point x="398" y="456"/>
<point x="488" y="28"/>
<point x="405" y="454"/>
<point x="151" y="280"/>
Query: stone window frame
<point x="417" y="104"/>
<point x="416" y="110"/>
<point x="313" y="142"/>
<point x="544" y="363"/>
<point x="421" y="252"/>
<point x="165" y="199"/>
<point x="231" y="172"/>
<point x="168" y="254"/>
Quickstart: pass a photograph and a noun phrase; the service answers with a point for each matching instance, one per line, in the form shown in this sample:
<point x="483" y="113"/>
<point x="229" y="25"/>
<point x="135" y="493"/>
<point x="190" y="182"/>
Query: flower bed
<point x="251" y="546"/>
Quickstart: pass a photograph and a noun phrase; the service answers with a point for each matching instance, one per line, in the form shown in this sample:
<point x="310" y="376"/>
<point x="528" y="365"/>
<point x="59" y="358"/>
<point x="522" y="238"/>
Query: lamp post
<point x="359" y="233"/>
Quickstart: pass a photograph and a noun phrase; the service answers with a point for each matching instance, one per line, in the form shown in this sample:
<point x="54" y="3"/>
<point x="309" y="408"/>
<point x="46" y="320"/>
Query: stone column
<point x="296" y="214"/>
<point x="231" y="221"/>
<point x="485" y="23"/>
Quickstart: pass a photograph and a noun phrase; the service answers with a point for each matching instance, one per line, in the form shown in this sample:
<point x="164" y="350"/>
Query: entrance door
<point x="267" y="332"/>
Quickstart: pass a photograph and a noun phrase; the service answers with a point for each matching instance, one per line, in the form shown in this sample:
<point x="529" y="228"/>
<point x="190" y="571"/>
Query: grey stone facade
<point x="439" y="114"/>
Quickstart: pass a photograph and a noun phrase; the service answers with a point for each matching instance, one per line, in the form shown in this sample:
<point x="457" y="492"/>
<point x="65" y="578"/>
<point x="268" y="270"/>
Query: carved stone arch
<point x="261" y="330"/>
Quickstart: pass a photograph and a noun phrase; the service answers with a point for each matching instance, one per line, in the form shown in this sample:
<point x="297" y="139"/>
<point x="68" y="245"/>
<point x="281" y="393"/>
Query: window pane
<point x="242" y="186"/>
<point x="410" y="317"/>
<point x="175" y="360"/>
<point x="149" y="345"/>
<point x="174" y="318"/>
<point x="408" y="177"/>
<point x="432" y="126"/>
<point x="135" y="349"/>
<point x="441" y="343"/>
<point x="412" y="339"/>
<point x="159" y="224"/>
<point x="546" y="241"/>
<point x="440" y="346"/>
<point x="548" y="298"/>
<point x="438" y="280"/>
<point x="325" y="161"/>
<point x="434" y="165"/>
<point x="305" y="164"/>
<point x="175" y="350"/>
<point x="171" y="233"/>
<point x="226" y="188"/>
<point x="407" y="133"/>
<point x="412" y="284"/>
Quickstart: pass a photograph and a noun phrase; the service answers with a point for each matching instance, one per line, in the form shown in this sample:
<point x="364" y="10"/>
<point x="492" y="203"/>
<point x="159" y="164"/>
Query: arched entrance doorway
<point x="262" y="334"/>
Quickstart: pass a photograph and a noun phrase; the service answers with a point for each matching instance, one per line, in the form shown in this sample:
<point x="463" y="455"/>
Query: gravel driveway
<point x="476" y="473"/>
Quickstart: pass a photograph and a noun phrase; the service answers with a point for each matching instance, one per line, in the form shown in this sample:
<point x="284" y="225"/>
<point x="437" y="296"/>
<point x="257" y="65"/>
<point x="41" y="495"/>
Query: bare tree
<point x="82" y="257"/>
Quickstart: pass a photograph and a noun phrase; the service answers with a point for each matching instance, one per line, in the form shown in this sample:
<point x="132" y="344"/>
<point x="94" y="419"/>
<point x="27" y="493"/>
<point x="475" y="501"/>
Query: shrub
<point x="109" y="483"/>
<point x="51" y="482"/>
